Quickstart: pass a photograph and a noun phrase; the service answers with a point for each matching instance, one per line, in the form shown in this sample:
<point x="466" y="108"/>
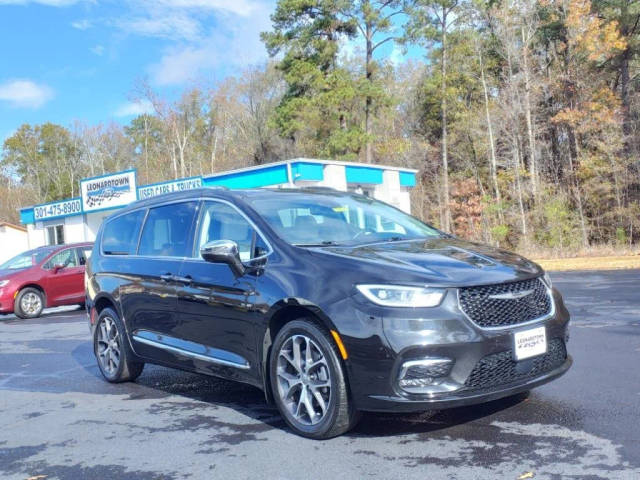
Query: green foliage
<point x="500" y="233"/>
<point x="559" y="225"/>
<point x="41" y="155"/>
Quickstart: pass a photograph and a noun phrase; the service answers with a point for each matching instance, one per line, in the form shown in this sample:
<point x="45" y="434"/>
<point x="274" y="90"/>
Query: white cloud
<point x="397" y="55"/>
<point x="98" y="50"/>
<point x="81" y="24"/>
<point x="233" y="42"/>
<point x="25" y="93"/>
<point x="133" y="109"/>
<point x="50" y="3"/>
<point x="236" y="7"/>
<point x="163" y="24"/>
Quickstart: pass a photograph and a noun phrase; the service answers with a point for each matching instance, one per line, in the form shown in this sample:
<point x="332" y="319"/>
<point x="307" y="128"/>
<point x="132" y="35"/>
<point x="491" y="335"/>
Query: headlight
<point x="3" y="283"/>
<point x="401" y="296"/>
<point x="547" y="280"/>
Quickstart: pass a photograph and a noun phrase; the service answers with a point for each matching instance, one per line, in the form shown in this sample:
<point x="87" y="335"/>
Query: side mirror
<point x="223" y="251"/>
<point x="57" y="268"/>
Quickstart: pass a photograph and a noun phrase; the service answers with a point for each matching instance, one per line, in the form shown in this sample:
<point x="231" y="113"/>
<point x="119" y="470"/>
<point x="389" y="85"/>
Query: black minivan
<point x="332" y="303"/>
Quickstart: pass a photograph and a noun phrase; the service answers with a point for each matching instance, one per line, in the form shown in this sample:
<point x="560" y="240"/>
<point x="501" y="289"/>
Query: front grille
<point x="501" y="369"/>
<point x="485" y="311"/>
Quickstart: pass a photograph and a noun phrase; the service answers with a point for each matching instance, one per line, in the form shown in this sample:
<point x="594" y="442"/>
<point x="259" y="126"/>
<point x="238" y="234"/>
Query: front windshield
<point x="25" y="259"/>
<point x="309" y="219"/>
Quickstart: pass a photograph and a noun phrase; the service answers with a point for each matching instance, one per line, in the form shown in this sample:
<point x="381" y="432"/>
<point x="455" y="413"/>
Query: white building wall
<point x="12" y="242"/>
<point x="37" y="235"/>
<point x="390" y="191"/>
<point x="335" y="176"/>
<point x="92" y="224"/>
<point x="74" y="229"/>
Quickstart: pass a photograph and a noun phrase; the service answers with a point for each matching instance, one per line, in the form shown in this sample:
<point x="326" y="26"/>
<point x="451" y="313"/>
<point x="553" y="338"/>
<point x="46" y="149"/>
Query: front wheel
<point x="115" y="358"/>
<point x="308" y="381"/>
<point x="29" y="303"/>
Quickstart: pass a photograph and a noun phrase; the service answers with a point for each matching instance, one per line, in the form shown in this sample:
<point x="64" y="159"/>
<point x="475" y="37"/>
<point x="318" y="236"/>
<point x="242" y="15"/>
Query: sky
<point x="62" y="60"/>
<point x="67" y="60"/>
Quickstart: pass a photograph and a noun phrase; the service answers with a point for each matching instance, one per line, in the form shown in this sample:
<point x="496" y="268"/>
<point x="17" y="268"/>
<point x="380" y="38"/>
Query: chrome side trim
<point x="424" y="362"/>
<point x="547" y="316"/>
<point x="208" y="354"/>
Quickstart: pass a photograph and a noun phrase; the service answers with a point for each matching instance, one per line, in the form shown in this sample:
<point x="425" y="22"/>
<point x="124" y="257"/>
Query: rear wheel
<point x="29" y="303"/>
<point x="308" y="382"/>
<point x="115" y="358"/>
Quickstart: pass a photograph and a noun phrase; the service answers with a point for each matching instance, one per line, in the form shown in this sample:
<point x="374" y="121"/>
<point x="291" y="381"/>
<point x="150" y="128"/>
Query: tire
<point x="29" y="303"/>
<point x="116" y="361"/>
<point x="290" y="385"/>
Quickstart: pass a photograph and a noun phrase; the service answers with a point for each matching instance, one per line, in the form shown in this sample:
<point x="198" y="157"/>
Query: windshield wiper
<point x="324" y="243"/>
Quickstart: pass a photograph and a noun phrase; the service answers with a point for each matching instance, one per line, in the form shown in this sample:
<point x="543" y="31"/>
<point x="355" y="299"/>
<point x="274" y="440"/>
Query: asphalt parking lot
<point x="59" y="419"/>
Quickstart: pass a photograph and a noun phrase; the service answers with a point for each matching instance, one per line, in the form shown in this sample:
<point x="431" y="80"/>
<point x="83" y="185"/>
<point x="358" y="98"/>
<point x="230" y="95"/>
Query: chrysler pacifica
<point x="332" y="303"/>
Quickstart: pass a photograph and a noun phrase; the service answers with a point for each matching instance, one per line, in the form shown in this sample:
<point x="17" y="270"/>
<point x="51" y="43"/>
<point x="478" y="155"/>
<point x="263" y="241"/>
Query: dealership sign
<point x="57" y="209"/>
<point x="108" y="191"/>
<point x="156" y="189"/>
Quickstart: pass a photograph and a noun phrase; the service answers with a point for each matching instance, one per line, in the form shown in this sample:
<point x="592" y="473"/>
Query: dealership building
<point x="78" y="219"/>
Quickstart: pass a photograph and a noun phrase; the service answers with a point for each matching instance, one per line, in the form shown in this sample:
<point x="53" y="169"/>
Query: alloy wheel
<point x="109" y="346"/>
<point x="304" y="380"/>
<point x="30" y="303"/>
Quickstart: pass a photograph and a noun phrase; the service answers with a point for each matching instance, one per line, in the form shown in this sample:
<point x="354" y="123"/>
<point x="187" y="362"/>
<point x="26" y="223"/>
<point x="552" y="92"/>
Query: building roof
<point x="11" y="225"/>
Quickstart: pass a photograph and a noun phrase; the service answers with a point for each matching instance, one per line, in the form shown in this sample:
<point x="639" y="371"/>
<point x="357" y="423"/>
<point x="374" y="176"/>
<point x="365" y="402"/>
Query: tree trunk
<point x="573" y="159"/>
<point x="530" y="133"/>
<point x="492" y="147"/>
<point x="626" y="101"/>
<point x="369" y="77"/>
<point x="445" y="159"/>
<point x="516" y="166"/>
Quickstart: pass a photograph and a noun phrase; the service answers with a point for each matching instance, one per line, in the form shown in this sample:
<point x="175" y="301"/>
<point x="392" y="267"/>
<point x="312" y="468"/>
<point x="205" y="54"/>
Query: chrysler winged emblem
<point x="511" y="295"/>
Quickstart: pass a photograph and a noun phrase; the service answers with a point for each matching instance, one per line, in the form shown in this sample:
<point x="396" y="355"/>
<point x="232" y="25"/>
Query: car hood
<point x="440" y="260"/>
<point x="7" y="274"/>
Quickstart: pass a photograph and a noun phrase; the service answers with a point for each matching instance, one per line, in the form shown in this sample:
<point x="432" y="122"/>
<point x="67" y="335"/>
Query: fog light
<point x="418" y="374"/>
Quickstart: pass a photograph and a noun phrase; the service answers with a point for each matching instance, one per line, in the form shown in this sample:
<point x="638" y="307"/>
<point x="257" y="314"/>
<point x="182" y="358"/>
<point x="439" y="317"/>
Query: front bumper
<point x="381" y="340"/>
<point x="6" y="301"/>
<point x="462" y="398"/>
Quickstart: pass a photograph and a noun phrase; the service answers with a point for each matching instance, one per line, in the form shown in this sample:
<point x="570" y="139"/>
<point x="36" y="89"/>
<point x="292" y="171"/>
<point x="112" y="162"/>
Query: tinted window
<point x="167" y="231"/>
<point x="120" y="235"/>
<point x="65" y="258"/>
<point x="223" y="222"/>
<point x="349" y="219"/>
<point x="26" y="259"/>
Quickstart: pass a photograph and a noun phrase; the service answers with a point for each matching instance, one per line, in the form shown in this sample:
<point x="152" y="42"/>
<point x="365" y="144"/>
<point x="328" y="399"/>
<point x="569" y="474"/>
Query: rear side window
<point x="120" y="235"/>
<point x="167" y="231"/>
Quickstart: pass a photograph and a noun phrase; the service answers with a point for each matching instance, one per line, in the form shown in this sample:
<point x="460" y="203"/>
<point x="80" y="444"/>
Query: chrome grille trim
<point x="550" y="314"/>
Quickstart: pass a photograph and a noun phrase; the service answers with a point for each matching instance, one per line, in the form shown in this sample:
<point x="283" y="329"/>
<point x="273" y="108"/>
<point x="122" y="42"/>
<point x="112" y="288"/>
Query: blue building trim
<point x="407" y="179"/>
<point x="364" y="174"/>
<point x="260" y="177"/>
<point x="307" y="171"/>
<point x="27" y="216"/>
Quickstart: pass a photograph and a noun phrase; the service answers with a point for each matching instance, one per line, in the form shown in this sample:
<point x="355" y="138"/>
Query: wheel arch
<point x="36" y="286"/>
<point x="280" y="314"/>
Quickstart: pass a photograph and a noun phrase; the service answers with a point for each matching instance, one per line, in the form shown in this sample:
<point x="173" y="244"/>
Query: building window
<point x="55" y="235"/>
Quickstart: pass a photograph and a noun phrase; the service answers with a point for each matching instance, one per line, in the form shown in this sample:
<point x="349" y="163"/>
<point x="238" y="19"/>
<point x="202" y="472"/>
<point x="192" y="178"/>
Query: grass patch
<point x="590" y="263"/>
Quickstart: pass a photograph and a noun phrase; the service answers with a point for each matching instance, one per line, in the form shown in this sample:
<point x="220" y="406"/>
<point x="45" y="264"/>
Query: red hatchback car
<point x="43" y="277"/>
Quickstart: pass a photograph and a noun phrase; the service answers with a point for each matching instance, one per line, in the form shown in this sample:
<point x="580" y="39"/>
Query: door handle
<point x="167" y="277"/>
<point x="187" y="280"/>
